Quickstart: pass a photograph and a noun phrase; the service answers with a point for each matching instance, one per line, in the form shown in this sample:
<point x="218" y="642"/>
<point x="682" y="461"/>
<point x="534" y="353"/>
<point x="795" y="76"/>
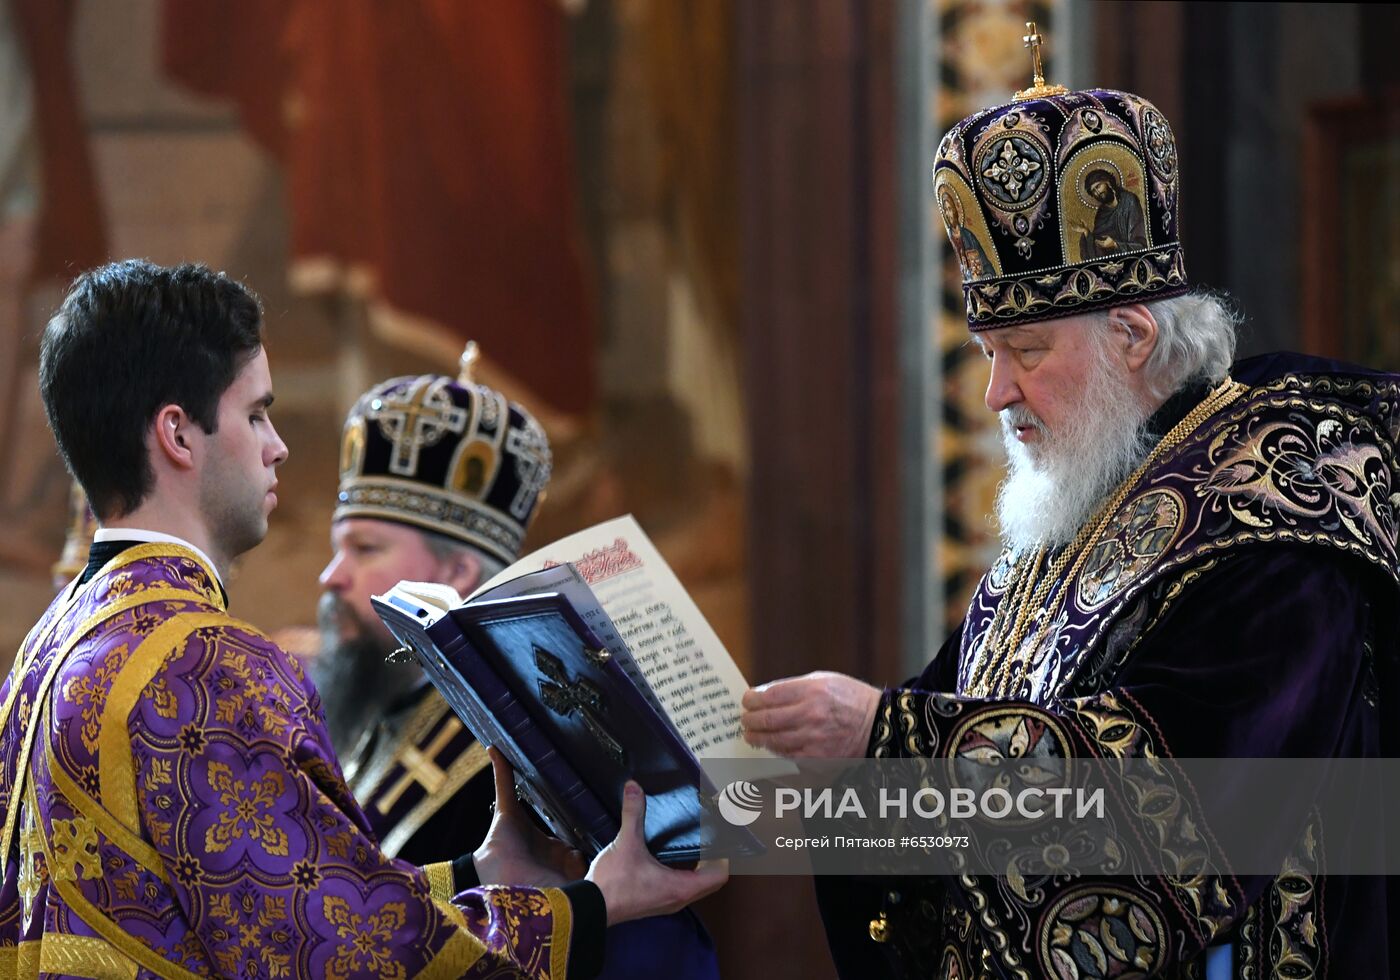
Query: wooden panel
<point x="817" y="189"/>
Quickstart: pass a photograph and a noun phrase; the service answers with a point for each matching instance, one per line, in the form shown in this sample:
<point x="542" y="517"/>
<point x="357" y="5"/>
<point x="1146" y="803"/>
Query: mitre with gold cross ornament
<point x="445" y="454"/>
<point x="1060" y="202"/>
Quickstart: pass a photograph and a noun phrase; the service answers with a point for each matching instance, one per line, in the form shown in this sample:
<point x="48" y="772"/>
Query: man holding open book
<point x="170" y="799"/>
<point x="1199" y="561"/>
<point x="440" y="479"/>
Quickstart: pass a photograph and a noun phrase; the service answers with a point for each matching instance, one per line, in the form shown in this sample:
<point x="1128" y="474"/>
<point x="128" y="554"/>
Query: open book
<point x="587" y="663"/>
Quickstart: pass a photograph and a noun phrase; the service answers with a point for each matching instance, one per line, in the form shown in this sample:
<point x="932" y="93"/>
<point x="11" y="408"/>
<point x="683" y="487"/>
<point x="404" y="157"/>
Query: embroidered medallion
<point x="1142" y="531"/>
<point x="1097" y="931"/>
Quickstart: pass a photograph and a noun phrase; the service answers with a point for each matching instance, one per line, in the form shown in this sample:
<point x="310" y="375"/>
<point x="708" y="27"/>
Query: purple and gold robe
<point x="426" y="788"/>
<point x="1236" y="598"/>
<point x="172" y="807"/>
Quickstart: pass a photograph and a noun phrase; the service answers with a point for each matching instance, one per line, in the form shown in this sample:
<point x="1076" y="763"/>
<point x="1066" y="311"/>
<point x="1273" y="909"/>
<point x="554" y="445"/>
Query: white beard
<point x="1053" y="487"/>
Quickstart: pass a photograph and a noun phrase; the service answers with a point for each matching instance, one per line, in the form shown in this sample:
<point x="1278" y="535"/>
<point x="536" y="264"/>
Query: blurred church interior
<point x="696" y="237"/>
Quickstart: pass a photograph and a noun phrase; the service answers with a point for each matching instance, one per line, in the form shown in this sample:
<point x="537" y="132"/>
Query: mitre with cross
<point x="1060" y="202"/>
<point x="447" y="455"/>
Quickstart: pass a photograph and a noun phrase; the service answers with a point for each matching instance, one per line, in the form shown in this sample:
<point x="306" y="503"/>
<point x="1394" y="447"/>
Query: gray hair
<point x="443" y="548"/>
<point x="1195" y="341"/>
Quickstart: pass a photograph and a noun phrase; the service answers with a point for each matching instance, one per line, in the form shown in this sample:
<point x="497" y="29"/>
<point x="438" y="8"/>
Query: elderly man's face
<point x="1073" y="405"/>
<point x="1040" y="372"/>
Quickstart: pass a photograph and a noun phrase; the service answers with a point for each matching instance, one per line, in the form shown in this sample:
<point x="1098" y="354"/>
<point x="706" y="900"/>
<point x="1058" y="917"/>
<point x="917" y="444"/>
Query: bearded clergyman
<point x="1199" y="562"/>
<point x="447" y="500"/>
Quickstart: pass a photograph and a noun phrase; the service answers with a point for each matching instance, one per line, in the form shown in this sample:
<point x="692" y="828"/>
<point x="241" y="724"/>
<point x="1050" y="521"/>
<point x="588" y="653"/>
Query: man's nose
<point x="333" y="576"/>
<point x="1002" y="389"/>
<point x="279" y="450"/>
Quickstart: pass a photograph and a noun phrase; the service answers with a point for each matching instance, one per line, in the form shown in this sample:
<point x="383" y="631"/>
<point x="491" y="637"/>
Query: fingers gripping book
<point x="587" y="664"/>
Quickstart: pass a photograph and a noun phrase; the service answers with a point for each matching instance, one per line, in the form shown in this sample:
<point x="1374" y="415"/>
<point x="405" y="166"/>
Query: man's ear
<point x="1137" y="329"/>
<point x="172" y="435"/>
<point x="464" y="572"/>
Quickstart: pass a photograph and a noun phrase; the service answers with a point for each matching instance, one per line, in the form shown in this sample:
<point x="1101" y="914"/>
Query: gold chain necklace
<point x="1015" y="600"/>
<point x="1029" y="592"/>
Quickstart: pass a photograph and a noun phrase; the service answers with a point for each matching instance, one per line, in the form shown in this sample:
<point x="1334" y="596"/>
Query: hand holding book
<point x="588" y="666"/>
<point x="515" y="852"/>
<point x="633" y="883"/>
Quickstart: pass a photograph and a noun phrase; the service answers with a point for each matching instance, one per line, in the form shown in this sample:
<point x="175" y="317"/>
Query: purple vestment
<point x="172" y="807"/>
<point x="1236" y="598"/>
<point x="427" y="791"/>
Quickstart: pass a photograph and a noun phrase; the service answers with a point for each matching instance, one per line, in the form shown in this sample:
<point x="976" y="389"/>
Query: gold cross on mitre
<point x="466" y="365"/>
<point x="1039" y="89"/>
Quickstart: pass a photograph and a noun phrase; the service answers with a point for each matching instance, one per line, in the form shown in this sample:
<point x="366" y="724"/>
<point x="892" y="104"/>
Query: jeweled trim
<point x="1025" y="298"/>
<point x="410" y="502"/>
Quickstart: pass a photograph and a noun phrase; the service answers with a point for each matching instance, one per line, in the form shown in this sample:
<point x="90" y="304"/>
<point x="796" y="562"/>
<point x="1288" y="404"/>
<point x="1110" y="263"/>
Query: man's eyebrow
<point x="265" y="401"/>
<point x="1026" y="332"/>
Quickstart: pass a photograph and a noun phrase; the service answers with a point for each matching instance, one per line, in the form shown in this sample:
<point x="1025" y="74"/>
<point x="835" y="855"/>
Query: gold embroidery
<point x="125" y="884"/>
<point x="1295" y="906"/>
<point x="116" y="766"/>
<point x="1006" y="656"/>
<point x="158" y="776"/>
<point x="419" y="766"/>
<point x="369" y="768"/>
<point x="31" y="875"/>
<point x="163" y="700"/>
<point x="992" y="934"/>
<point x="1140" y="533"/>
<point x="514" y="906"/>
<point x="39" y="637"/>
<point x="1115" y="731"/>
<point x="24" y="709"/>
<point x="89" y="691"/>
<point x="249" y="808"/>
<point x="370" y="939"/>
<point x="1249" y="937"/>
<point x="442" y="881"/>
<point x="462" y="770"/>
<point x="1314" y="470"/>
<point x="75" y="845"/>
<point x="1155" y="799"/>
<point x="231" y="688"/>
<point x="83" y="956"/>
<point x="460" y="954"/>
<point x="104" y="926"/>
<point x="560" y="932"/>
<point x="81" y="802"/>
<point x="1114" y="929"/>
<point x="27" y="962"/>
<point x="41" y="697"/>
<point x="452" y="913"/>
<point x="202" y="576"/>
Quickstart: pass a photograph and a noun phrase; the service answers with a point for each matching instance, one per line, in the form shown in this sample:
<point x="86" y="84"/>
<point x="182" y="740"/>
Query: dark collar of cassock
<point x="1176" y="408"/>
<point x="102" y="552"/>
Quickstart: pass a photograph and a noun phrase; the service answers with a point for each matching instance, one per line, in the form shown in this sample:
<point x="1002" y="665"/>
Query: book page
<point x="683" y="660"/>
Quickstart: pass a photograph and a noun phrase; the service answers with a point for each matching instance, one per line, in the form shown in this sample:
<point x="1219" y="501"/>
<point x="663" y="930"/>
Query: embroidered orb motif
<point x="1140" y="532"/>
<point x="1012" y="171"/>
<point x="1000" y="573"/>
<point x="1095" y="931"/>
<point x="1009" y="749"/>
<point x="1161" y="148"/>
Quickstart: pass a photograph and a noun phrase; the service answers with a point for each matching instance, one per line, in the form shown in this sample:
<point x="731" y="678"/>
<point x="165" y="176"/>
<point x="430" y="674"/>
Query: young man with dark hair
<point x="170" y="798"/>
